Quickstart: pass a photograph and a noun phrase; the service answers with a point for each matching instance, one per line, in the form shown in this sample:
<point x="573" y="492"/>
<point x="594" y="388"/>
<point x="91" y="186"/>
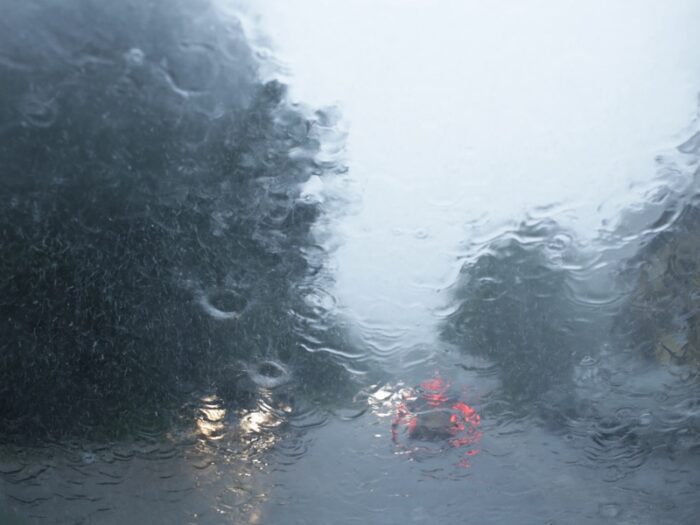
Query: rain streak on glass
<point x="373" y="261"/>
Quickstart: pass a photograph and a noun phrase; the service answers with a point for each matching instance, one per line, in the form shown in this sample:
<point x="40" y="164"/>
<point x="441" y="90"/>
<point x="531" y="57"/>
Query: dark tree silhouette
<point x="152" y="227"/>
<point x="517" y="311"/>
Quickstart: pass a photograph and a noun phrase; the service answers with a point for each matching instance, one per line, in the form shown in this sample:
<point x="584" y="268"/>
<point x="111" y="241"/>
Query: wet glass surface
<point x="349" y="262"/>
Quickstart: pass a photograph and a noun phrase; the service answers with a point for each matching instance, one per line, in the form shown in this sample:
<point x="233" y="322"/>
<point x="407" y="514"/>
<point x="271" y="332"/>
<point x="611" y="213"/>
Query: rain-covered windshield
<point x="370" y="261"/>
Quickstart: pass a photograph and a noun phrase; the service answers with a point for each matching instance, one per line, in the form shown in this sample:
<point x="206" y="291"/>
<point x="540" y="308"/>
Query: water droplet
<point x="192" y="70"/>
<point x="588" y="361"/>
<point x="223" y="304"/>
<point x="559" y="242"/>
<point x="609" y="510"/>
<point x="645" y="418"/>
<point x="269" y="374"/>
<point x="613" y="474"/>
<point x="421" y="233"/>
<point x="320" y="300"/>
<point x="135" y="57"/>
<point x="38" y="111"/>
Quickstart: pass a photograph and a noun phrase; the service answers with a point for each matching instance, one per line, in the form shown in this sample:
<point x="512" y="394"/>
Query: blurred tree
<point x="152" y="226"/>
<point x="516" y="309"/>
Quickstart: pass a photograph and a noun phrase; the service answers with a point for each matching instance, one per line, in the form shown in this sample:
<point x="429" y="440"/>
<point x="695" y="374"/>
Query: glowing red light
<point x="429" y="419"/>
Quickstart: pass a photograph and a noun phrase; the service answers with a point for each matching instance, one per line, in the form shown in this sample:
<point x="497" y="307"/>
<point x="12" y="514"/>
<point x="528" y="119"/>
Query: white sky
<point x="478" y="111"/>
